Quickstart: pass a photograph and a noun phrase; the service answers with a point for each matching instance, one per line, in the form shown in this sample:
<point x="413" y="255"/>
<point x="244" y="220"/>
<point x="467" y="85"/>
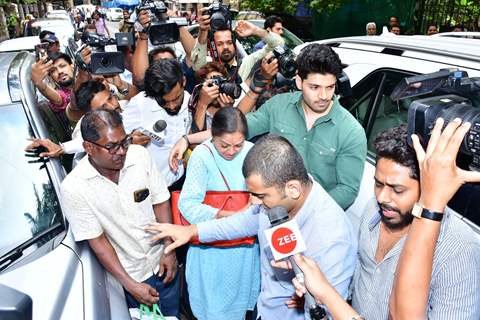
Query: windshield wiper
<point x="15" y="254"/>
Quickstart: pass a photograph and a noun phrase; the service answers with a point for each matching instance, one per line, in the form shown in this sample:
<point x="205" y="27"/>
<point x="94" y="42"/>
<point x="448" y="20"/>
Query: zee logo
<point x="284" y="240"/>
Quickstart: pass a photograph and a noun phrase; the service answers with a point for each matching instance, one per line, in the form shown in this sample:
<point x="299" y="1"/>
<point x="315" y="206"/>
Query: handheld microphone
<point x="155" y="130"/>
<point x="278" y="215"/>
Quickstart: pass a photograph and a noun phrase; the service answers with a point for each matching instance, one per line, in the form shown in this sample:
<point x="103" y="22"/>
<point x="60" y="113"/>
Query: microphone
<point x="155" y="130"/>
<point x="278" y="215"/>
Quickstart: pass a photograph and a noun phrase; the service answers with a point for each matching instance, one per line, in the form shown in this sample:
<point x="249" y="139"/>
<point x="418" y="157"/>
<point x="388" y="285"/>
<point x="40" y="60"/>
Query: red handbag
<point x="222" y="200"/>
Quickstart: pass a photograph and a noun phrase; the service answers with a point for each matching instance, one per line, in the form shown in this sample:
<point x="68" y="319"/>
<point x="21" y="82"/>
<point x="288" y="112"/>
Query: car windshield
<point x="28" y="202"/>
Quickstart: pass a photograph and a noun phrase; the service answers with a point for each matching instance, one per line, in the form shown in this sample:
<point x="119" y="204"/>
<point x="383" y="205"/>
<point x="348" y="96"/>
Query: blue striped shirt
<point x="455" y="285"/>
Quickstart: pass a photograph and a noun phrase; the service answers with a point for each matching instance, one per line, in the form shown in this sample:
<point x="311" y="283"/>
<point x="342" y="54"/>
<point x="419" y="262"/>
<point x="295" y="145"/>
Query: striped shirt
<point x="455" y="285"/>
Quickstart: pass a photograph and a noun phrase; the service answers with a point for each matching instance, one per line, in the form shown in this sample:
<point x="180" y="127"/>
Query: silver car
<point x="44" y="273"/>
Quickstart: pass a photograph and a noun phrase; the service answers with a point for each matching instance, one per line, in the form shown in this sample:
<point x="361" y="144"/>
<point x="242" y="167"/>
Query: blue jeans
<point x="169" y="302"/>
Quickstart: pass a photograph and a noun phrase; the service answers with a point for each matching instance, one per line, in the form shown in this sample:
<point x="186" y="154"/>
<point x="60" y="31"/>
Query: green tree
<point x="290" y="6"/>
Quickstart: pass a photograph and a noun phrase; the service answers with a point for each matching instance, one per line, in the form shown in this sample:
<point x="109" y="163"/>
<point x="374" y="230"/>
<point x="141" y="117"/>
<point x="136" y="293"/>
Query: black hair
<point x="392" y="144"/>
<point x="54" y="56"/>
<point x="276" y="161"/>
<point x="229" y="120"/>
<point x="86" y="92"/>
<point x="162" y="76"/>
<point x="271" y="21"/>
<point x="95" y="121"/>
<point x="154" y="52"/>
<point x="318" y="58"/>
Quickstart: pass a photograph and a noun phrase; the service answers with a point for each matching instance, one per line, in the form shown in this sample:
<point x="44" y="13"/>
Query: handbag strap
<point x="223" y="177"/>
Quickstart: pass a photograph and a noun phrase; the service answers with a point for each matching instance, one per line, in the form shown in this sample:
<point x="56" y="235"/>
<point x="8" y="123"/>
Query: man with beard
<point x="165" y="99"/>
<point x="109" y="196"/>
<point x="454" y="288"/>
<point x="331" y="141"/>
<point x="60" y="69"/>
<point x="226" y="47"/>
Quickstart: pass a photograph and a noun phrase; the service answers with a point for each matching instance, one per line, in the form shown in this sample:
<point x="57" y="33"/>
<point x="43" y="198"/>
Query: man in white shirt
<point x="108" y="198"/>
<point x="165" y="99"/>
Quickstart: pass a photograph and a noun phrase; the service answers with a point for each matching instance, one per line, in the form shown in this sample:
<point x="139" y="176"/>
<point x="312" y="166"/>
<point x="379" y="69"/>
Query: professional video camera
<point x="220" y="16"/>
<point x="102" y="62"/>
<point x="455" y="97"/>
<point x="286" y="61"/>
<point x="162" y="29"/>
<point x="232" y="89"/>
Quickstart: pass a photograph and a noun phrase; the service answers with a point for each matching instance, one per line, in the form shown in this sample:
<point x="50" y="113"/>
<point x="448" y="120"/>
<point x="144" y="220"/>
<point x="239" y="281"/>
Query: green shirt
<point x="333" y="150"/>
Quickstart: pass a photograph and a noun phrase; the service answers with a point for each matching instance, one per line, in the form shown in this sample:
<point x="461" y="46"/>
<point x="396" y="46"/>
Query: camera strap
<point x="213" y="47"/>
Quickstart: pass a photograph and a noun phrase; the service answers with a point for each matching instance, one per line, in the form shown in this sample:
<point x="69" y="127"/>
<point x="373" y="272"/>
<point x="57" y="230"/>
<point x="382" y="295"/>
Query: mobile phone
<point x="41" y="50"/>
<point x="141" y="194"/>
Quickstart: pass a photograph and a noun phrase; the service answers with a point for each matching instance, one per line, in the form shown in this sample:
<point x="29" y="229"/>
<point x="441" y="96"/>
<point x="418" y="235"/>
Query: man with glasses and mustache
<point x="109" y="196"/>
<point x="454" y="289"/>
<point x="164" y="98"/>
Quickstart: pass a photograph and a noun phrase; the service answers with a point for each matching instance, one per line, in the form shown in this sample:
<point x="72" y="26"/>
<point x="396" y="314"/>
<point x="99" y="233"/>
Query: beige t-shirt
<point x="94" y="205"/>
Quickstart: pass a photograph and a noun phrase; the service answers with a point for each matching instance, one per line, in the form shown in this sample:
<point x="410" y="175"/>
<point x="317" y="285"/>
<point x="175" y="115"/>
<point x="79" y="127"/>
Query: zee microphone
<point x="154" y="130"/>
<point x="277" y="216"/>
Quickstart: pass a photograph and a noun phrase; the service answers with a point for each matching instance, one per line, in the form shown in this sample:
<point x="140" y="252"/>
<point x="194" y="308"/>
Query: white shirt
<point x="94" y="205"/>
<point x="143" y="111"/>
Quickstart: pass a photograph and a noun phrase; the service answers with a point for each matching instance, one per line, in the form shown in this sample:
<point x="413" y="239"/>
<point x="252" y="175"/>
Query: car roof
<point x="50" y="21"/>
<point x="19" y="44"/>
<point x="452" y="47"/>
<point x="463" y="34"/>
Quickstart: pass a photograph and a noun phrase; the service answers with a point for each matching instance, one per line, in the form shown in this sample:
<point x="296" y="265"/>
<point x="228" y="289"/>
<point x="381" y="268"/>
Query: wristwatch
<point x="420" y="212"/>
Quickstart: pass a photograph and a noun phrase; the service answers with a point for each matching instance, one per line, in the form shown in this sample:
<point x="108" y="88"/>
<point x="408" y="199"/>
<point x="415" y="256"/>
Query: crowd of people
<point x="394" y="27"/>
<point x="293" y="146"/>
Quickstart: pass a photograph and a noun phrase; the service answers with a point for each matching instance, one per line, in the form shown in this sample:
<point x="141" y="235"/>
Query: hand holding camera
<point x="204" y="20"/>
<point x="40" y="71"/>
<point x="269" y="67"/>
<point x="208" y="93"/>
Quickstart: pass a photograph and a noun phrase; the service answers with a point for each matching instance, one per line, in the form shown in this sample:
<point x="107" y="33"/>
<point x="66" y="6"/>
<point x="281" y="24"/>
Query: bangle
<point x="357" y="317"/>
<point x="186" y="139"/>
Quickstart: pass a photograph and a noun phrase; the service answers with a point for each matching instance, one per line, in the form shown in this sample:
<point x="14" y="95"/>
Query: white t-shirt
<point x="143" y="111"/>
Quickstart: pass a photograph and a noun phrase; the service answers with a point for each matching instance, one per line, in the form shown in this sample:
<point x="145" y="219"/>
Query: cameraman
<point x="226" y="47"/>
<point x="273" y="24"/>
<point x="208" y="100"/>
<point x="141" y="55"/>
<point x="165" y="99"/>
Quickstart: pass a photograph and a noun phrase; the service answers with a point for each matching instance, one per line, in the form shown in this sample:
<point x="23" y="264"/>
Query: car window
<point x="28" y="201"/>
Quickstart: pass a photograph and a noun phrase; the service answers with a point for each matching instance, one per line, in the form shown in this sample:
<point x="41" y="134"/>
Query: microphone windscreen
<point x="159" y="126"/>
<point x="277" y="215"/>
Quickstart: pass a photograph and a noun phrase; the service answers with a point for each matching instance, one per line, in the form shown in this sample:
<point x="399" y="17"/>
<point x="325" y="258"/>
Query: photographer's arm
<point x="188" y="42"/>
<point x="440" y="178"/>
<point x="140" y="55"/>
<point x="199" y="51"/>
<point x="39" y="73"/>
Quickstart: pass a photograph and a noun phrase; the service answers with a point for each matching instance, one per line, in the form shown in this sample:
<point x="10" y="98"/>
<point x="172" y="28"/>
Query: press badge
<point x="141" y="194"/>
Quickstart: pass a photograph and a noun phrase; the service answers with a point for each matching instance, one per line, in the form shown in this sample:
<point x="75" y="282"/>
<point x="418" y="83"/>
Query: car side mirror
<point x="14" y="304"/>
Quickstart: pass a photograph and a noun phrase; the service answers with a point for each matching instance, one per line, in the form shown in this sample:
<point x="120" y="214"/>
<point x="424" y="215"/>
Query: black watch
<point x="420" y="212"/>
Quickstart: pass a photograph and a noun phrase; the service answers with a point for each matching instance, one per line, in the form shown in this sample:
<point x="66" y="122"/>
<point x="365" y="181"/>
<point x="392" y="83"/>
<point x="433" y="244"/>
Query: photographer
<point x="330" y="140"/>
<point x="271" y="24"/>
<point x="164" y="99"/>
<point x="141" y="55"/>
<point x="226" y="48"/>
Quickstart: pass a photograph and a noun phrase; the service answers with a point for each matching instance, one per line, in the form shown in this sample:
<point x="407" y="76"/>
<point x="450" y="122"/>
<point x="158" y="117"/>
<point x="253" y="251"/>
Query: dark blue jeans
<point x="169" y="295"/>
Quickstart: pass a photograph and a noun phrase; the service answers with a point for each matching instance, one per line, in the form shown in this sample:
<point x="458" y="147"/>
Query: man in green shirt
<point x="331" y="141"/>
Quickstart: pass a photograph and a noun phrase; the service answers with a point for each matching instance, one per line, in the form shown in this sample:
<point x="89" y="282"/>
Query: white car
<point x="465" y="34"/>
<point x="19" y="44"/>
<point x="114" y="14"/>
<point x="62" y="28"/>
<point x="58" y="14"/>
<point x="375" y="65"/>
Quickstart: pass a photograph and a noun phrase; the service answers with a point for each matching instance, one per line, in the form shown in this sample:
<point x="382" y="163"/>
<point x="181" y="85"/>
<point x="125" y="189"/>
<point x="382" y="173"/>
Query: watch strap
<point x="431" y="215"/>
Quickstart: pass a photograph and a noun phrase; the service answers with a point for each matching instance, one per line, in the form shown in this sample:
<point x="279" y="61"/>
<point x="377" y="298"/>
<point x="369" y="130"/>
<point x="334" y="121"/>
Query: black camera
<point x="286" y="61"/>
<point x="220" y="16"/>
<point x="231" y="89"/>
<point x="105" y="63"/>
<point x="458" y="96"/>
<point x="162" y="29"/>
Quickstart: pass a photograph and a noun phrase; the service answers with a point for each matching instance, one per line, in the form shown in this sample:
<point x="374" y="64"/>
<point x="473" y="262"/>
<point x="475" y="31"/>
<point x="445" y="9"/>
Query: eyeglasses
<point x="114" y="147"/>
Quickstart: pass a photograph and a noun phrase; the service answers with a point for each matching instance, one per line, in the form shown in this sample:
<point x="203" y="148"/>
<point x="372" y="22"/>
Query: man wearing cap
<point x="52" y="40"/>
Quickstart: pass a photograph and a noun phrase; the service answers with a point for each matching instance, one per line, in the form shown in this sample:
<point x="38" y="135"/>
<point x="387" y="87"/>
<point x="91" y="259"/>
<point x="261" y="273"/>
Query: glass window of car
<point x="30" y="209"/>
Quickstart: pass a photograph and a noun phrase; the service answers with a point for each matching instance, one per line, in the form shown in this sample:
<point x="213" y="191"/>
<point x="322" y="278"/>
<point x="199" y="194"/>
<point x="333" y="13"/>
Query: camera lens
<point x="217" y="21"/>
<point x="105" y="62"/>
<point x="231" y="89"/>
